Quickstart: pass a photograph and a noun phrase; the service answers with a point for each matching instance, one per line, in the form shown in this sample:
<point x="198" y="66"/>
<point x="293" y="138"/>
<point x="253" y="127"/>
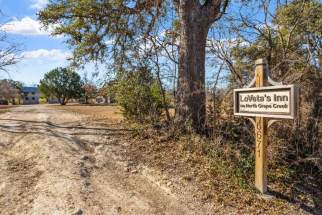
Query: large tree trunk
<point x="191" y="95"/>
<point x="195" y="20"/>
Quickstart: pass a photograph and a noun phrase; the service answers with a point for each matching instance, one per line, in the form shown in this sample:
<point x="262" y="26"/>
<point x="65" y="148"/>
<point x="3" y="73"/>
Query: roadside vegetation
<point x="159" y="80"/>
<point x="181" y="118"/>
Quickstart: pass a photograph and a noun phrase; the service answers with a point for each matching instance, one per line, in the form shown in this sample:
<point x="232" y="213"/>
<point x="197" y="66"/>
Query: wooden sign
<point x="265" y="103"/>
<point x="270" y="102"/>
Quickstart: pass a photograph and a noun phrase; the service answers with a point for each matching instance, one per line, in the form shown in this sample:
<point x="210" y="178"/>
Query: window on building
<point x="26" y="98"/>
<point x="33" y="93"/>
<point x="33" y="98"/>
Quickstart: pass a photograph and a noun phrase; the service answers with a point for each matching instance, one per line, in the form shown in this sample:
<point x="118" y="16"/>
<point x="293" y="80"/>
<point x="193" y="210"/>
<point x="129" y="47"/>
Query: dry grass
<point x="108" y="113"/>
<point x="200" y="163"/>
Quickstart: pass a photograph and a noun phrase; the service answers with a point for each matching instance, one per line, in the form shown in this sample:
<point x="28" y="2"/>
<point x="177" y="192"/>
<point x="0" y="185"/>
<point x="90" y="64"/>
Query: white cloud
<point x="39" y="4"/>
<point x="53" y="54"/>
<point x="25" y="26"/>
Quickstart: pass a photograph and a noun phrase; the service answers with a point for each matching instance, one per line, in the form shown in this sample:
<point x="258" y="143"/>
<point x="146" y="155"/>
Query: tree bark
<point x="195" y="20"/>
<point x="191" y="95"/>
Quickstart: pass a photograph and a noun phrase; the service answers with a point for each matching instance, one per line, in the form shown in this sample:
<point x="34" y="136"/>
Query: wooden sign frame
<point x="262" y="121"/>
<point x="293" y="95"/>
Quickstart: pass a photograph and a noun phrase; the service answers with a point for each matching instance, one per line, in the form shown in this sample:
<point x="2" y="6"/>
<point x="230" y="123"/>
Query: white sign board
<point x="272" y="102"/>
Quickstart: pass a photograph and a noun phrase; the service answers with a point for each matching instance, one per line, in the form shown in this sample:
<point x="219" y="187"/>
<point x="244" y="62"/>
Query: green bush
<point x="139" y="95"/>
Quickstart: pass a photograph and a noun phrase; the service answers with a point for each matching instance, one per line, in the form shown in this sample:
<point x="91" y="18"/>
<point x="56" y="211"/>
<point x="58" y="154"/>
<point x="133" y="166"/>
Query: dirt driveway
<point x="56" y="162"/>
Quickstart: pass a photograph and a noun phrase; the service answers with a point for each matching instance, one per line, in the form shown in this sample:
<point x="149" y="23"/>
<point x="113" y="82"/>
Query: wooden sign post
<point x="267" y="104"/>
<point x="261" y="135"/>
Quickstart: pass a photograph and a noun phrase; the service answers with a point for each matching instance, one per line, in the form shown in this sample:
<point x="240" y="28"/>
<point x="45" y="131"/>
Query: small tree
<point x="62" y="83"/>
<point x="90" y="91"/>
<point x="89" y="87"/>
<point x="9" y="90"/>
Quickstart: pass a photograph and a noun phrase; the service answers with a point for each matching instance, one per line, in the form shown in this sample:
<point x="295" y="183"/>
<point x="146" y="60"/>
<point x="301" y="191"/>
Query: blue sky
<point x="41" y="52"/>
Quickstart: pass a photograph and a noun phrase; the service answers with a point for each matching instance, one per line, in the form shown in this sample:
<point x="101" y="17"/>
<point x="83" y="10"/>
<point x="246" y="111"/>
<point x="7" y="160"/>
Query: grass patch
<point x="108" y="113"/>
<point x="222" y="169"/>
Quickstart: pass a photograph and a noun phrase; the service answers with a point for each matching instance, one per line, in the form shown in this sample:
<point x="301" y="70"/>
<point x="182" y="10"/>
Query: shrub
<point x="139" y="94"/>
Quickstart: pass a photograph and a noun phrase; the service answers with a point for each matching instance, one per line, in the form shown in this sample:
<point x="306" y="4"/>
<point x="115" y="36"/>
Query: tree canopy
<point x="91" y="26"/>
<point x="99" y="30"/>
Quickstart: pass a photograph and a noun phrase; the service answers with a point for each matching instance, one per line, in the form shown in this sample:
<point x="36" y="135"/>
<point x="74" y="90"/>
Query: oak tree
<point x="62" y="83"/>
<point x="91" y="25"/>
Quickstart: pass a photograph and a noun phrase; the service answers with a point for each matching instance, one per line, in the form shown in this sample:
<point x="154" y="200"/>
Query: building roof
<point x="29" y="89"/>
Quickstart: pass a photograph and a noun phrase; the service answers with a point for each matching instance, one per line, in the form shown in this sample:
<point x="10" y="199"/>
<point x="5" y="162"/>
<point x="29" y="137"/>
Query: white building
<point x="30" y="95"/>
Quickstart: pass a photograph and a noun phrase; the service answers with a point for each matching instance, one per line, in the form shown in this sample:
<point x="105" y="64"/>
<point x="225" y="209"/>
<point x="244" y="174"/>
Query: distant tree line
<point x="64" y="84"/>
